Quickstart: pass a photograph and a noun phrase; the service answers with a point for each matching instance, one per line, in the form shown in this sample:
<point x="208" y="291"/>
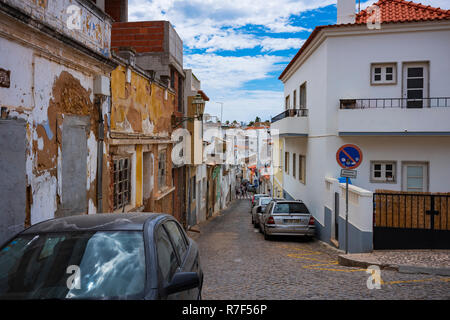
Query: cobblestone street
<point x="239" y="264"/>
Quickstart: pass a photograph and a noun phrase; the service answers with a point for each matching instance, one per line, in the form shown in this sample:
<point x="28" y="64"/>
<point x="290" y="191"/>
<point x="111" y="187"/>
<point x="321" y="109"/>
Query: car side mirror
<point x="183" y="281"/>
<point x="258" y="210"/>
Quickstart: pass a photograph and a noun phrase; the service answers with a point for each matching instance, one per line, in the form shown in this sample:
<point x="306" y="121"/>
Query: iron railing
<point x="371" y="103"/>
<point x="412" y="211"/>
<point x="290" y="113"/>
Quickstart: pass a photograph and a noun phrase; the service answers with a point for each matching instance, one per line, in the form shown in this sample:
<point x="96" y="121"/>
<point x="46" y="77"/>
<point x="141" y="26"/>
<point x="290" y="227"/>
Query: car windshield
<point x="290" y="208"/>
<point x="265" y="201"/>
<point x="86" y="265"/>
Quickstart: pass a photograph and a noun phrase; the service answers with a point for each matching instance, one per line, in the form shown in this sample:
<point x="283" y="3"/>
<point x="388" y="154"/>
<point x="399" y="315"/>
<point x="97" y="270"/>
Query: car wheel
<point x="266" y="236"/>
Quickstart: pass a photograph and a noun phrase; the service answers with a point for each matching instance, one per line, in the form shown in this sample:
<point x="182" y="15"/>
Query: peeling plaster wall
<point x="45" y="86"/>
<point x="140" y="106"/>
<point x="93" y="27"/>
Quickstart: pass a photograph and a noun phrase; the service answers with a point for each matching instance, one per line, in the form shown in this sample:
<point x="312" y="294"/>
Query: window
<point x="287" y="106"/>
<point x="162" y="170"/>
<point x="384" y="73"/>
<point x="111" y="264"/>
<point x="290" y="208"/>
<point x="172" y="79"/>
<point x="180" y="94"/>
<point x="295" y="99"/>
<point x="301" y="168"/>
<point x="415" y="176"/>
<point x="383" y="171"/>
<point x="122" y="172"/>
<point x="294" y="166"/>
<point x="286" y="162"/>
<point x="194" y="188"/>
<point x="177" y="237"/>
<point x="302" y="94"/>
<point x="167" y="257"/>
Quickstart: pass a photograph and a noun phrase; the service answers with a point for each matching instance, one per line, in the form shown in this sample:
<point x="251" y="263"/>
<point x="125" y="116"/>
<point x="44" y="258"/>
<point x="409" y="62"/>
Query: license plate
<point x="292" y="221"/>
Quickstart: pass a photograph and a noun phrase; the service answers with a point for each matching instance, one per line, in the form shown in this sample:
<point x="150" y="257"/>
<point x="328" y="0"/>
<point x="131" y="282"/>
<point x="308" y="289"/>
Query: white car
<point x="258" y="209"/>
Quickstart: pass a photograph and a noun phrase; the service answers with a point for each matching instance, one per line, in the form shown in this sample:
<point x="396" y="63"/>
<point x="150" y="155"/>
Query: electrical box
<point x="102" y="86"/>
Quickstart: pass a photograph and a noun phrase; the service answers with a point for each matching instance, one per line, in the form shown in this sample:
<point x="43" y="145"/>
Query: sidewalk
<point x="435" y="262"/>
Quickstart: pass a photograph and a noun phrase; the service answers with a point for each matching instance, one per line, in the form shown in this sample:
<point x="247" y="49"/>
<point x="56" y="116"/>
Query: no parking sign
<point x="349" y="156"/>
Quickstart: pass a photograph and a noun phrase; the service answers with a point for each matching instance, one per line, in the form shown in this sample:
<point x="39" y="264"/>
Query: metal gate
<point x="411" y="221"/>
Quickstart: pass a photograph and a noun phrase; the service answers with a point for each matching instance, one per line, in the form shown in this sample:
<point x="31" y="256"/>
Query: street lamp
<point x="198" y="102"/>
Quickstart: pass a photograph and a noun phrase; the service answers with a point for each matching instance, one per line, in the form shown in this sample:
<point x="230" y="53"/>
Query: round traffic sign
<point x="349" y="156"/>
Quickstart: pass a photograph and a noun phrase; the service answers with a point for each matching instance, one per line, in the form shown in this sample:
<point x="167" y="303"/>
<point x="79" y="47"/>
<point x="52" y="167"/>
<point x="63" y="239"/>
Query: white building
<point x="352" y="83"/>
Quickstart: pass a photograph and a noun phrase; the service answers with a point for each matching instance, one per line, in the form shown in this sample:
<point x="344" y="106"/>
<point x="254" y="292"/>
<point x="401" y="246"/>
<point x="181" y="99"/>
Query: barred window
<point x="122" y="195"/>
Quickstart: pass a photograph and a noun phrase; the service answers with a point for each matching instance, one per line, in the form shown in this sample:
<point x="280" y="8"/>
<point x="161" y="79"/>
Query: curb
<point x="348" y="262"/>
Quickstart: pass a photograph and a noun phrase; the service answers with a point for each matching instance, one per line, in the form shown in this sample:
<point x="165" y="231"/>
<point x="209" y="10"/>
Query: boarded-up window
<point x="12" y="178"/>
<point x="74" y="166"/>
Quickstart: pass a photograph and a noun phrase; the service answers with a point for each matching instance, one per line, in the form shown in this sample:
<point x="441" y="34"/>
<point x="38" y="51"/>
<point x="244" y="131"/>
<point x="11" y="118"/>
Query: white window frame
<point x="426" y="174"/>
<point x="383" y="73"/>
<point x="288" y="102"/>
<point x="383" y="178"/>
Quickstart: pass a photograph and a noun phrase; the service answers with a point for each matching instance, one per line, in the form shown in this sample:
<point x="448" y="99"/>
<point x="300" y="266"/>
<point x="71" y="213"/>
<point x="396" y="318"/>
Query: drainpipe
<point x="98" y="103"/>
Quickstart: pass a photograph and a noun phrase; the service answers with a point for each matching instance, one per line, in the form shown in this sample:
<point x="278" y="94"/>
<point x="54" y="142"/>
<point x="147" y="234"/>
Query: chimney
<point x="346" y="11"/>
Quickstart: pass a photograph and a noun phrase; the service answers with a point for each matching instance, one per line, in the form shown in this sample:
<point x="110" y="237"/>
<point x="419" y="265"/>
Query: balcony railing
<point x="395" y="103"/>
<point x="290" y="113"/>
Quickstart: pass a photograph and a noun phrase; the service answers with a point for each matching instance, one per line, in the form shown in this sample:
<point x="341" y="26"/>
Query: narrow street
<point x="239" y="264"/>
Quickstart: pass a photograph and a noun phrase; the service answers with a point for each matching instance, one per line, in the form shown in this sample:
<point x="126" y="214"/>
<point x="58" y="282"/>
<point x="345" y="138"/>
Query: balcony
<point x="291" y="123"/>
<point x="394" y="117"/>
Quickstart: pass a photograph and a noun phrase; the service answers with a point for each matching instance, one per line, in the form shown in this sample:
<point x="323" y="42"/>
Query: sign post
<point x="348" y="157"/>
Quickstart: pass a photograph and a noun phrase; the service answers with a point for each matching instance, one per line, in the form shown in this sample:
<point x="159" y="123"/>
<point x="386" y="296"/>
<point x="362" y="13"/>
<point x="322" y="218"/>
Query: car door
<point x="168" y="262"/>
<point x="187" y="257"/>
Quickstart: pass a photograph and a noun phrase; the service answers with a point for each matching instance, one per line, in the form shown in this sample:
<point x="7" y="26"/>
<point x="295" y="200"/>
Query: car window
<point x="290" y="208"/>
<point x="167" y="257"/>
<point x="103" y="264"/>
<point x="178" y="239"/>
<point x="265" y="201"/>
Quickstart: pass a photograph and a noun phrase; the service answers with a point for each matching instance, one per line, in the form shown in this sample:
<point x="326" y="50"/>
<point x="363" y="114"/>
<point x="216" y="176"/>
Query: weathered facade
<point x="139" y="156"/>
<point x="159" y="50"/>
<point x="54" y="95"/>
<point x="196" y="182"/>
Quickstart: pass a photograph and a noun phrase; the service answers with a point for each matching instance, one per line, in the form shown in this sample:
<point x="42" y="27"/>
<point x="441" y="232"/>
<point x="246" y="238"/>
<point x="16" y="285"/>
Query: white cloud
<point x="219" y="73"/>
<point x="212" y="24"/>
<point x="245" y="105"/>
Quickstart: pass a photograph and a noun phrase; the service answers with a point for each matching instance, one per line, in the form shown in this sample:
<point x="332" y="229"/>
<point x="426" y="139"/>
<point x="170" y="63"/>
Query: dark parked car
<point x="103" y="256"/>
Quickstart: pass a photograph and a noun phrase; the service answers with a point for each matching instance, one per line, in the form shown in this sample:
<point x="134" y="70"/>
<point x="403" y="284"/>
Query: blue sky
<point x="238" y="48"/>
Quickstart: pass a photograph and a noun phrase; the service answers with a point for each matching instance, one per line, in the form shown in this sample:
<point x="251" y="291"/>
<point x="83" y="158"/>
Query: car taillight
<point x="311" y="221"/>
<point x="270" y="220"/>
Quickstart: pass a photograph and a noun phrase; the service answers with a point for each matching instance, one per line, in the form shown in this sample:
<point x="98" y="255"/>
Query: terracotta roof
<point x="392" y="11"/>
<point x="401" y="10"/>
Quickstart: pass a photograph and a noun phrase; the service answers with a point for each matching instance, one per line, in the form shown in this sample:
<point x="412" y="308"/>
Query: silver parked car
<point x="257" y="210"/>
<point x="287" y="218"/>
<point x="255" y="199"/>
